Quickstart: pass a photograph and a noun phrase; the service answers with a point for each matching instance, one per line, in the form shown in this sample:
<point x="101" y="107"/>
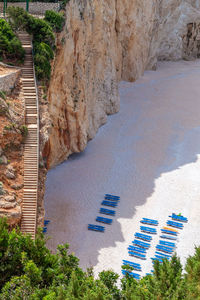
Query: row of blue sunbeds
<point x="139" y="246"/>
<point x="165" y="249"/>
<point x="46" y="222"/>
<point x="109" y="200"/>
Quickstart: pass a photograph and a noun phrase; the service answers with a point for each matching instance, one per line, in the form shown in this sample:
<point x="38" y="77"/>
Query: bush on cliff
<point x="55" y="20"/>
<point x="10" y="45"/>
<point x="42" y="58"/>
<point x="28" y="270"/>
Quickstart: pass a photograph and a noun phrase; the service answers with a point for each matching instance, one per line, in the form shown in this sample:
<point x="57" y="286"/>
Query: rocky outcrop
<point x="170" y="34"/>
<point x="102" y="43"/>
<point x="11" y="153"/>
<point x="8" y="77"/>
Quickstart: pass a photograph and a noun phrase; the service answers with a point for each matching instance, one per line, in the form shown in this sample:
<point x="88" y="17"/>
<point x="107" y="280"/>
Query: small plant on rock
<point x="24" y="130"/>
<point x="3" y="95"/>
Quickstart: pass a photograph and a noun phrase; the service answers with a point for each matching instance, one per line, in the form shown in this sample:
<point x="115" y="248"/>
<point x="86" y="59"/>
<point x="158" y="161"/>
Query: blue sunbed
<point x="175" y="224"/>
<point x="44" y="230"/>
<point x="164" y="249"/>
<point x="173" y="238"/>
<point x="137" y="249"/>
<point x="142" y="236"/>
<point x="46" y="222"/>
<point x="179" y="218"/>
<point x="109" y="203"/>
<point x="138" y="255"/>
<point x="113" y="196"/>
<point x="131" y="263"/>
<point x="173" y="245"/>
<point x="154" y="259"/>
<point x="133" y="266"/>
<point x="104" y="220"/>
<point x="161" y="257"/>
<point x="134" y="275"/>
<point x="141" y="244"/>
<point x="149" y="221"/>
<point x="148" y="230"/>
<point x="96" y="228"/>
<point x="107" y="211"/>
<point x="169" y="232"/>
<point x="163" y="254"/>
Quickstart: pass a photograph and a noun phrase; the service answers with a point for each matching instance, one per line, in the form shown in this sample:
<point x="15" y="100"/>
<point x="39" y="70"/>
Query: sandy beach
<point x="149" y="154"/>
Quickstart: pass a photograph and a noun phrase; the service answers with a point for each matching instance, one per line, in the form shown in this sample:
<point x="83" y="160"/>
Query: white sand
<point x="149" y="154"/>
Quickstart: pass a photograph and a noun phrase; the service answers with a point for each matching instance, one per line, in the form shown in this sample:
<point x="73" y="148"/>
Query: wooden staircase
<point x="31" y="147"/>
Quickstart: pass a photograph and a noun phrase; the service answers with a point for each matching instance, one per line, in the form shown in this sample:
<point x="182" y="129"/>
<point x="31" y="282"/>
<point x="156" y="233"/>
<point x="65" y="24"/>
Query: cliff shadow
<point x="157" y="131"/>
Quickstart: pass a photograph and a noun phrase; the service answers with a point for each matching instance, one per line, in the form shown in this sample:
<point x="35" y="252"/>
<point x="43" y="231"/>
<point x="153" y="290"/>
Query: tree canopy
<point x="28" y="270"/>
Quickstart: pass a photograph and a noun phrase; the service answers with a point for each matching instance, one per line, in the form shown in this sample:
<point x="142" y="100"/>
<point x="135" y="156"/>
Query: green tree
<point x="10" y="45"/>
<point x="193" y="275"/>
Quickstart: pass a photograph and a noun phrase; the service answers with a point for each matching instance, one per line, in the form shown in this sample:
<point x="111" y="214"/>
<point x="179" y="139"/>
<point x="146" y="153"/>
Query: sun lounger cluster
<point x="46" y="222"/>
<point x="166" y="247"/>
<point x="111" y="201"/>
<point x="140" y="245"/>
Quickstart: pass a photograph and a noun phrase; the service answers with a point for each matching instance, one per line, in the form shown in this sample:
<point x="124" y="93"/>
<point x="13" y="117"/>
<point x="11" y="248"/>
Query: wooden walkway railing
<point x="31" y="147"/>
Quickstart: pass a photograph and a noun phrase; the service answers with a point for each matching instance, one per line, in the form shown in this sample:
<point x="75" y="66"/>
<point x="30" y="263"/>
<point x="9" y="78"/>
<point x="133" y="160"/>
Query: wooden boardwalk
<point x="31" y="147"/>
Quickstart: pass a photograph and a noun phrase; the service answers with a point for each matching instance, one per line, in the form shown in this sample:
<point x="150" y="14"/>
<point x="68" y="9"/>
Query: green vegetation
<point x="10" y="45"/>
<point x="28" y="270"/>
<point x="55" y="20"/>
<point x="24" y="130"/>
<point x="43" y="36"/>
<point x="3" y="95"/>
<point x="63" y="4"/>
<point x="42" y="58"/>
<point x="42" y="33"/>
<point x="9" y="127"/>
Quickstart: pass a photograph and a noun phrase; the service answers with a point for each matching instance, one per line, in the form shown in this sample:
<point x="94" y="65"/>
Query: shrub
<point x="24" y="130"/>
<point x="41" y="31"/>
<point x="42" y="59"/>
<point x="18" y="18"/>
<point x="56" y="20"/>
<point x="11" y="47"/>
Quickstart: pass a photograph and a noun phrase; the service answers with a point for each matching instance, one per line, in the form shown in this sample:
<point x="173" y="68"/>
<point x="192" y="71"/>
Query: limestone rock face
<point x="103" y="42"/>
<point x="169" y="38"/>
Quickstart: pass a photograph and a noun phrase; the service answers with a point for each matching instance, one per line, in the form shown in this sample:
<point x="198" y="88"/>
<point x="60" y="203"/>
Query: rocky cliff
<point x="12" y="135"/>
<point x="103" y="42"/>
